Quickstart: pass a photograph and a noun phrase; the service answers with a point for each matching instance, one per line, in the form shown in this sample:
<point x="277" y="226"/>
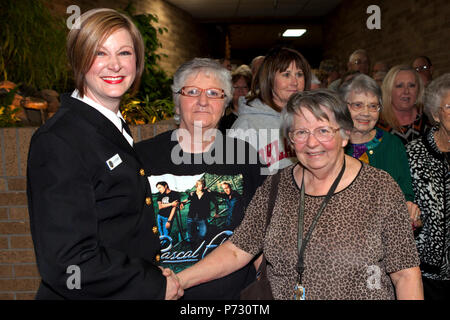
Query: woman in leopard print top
<point x="362" y="246"/>
<point x="429" y="164"/>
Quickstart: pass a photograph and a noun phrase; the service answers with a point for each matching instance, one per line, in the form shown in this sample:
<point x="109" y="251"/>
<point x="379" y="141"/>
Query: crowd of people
<point x="359" y="159"/>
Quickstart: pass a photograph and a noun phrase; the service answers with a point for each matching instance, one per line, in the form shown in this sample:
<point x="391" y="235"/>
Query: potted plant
<point x="153" y="101"/>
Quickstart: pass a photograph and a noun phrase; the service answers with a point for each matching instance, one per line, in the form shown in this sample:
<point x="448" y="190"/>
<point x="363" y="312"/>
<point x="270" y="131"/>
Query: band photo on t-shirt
<point x="195" y="214"/>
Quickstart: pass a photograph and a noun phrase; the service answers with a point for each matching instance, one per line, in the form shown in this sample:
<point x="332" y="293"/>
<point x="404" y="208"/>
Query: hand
<point x="175" y="203"/>
<point x="168" y="225"/>
<point x="174" y="290"/>
<point x="414" y="214"/>
<point x="181" y="280"/>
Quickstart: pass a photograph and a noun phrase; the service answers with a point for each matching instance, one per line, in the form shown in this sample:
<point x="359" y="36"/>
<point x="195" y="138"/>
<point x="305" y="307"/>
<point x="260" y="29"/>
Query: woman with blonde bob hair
<point x="97" y="26"/>
<point x="402" y="112"/>
<point x="88" y="195"/>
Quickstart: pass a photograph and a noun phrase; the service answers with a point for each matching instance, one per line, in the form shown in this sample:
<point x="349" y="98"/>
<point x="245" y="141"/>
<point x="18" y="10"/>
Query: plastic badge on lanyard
<point x="299" y="292"/>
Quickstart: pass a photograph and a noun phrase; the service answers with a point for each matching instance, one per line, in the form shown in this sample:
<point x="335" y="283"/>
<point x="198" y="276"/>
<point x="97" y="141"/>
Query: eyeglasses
<point x="359" y="106"/>
<point x="422" y="68"/>
<point x="322" y="134"/>
<point x="446" y="108"/>
<point x="212" y="93"/>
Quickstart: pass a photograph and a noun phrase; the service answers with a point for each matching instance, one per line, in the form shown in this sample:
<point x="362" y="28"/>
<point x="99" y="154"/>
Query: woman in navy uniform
<point x="91" y="215"/>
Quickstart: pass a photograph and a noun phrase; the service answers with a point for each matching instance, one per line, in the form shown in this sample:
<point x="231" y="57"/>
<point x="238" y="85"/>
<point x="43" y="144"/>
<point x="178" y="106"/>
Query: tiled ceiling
<point x="256" y="25"/>
<point x="232" y="9"/>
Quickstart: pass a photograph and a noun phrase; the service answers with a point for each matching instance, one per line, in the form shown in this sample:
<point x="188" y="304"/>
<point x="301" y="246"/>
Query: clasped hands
<point x="174" y="290"/>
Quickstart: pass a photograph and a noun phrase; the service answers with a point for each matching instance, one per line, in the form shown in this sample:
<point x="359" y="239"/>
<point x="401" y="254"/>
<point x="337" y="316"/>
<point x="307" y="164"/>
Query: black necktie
<point x="126" y="127"/>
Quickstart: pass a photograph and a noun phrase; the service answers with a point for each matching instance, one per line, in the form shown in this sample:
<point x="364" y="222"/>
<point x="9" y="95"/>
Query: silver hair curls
<point x="314" y="101"/>
<point x="209" y="67"/>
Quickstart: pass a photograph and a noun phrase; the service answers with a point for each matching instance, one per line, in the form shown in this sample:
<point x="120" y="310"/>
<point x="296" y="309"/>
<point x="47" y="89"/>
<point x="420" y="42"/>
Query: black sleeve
<point x="64" y="225"/>
<point x="213" y="198"/>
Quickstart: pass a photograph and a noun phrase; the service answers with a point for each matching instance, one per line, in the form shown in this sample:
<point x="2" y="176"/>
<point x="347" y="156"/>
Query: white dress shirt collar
<point x="115" y="118"/>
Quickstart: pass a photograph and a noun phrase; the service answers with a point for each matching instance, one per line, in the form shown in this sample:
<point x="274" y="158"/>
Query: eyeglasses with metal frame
<point x="359" y="106"/>
<point x="322" y="134"/>
<point x="212" y="93"/>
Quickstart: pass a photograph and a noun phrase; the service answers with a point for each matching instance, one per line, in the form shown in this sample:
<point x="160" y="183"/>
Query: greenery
<point x="32" y="52"/>
<point x="32" y="46"/>
<point x="153" y="101"/>
<point x="8" y="113"/>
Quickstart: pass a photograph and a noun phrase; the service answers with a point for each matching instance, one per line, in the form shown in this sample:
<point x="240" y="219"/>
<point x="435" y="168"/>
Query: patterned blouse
<point x="410" y="132"/>
<point x="431" y="183"/>
<point x="363" y="235"/>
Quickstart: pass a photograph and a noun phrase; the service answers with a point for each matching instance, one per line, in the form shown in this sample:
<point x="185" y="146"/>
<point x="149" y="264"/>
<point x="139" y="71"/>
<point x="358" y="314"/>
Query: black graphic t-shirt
<point x="166" y="198"/>
<point x="205" y="216"/>
<point x="200" y="205"/>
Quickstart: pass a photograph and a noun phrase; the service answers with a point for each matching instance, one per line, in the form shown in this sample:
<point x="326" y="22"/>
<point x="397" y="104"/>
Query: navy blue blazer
<point x="90" y="207"/>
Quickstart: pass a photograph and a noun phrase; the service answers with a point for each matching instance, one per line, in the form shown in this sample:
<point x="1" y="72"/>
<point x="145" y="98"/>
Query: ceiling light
<point x="294" y="32"/>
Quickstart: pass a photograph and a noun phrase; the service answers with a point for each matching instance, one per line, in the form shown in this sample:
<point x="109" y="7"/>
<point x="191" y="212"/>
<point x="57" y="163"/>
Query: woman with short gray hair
<point x="198" y="152"/>
<point x="325" y="98"/>
<point x="360" y="223"/>
<point x="202" y="65"/>
<point x="373" y="145"/>
<point x="429" y="163"/>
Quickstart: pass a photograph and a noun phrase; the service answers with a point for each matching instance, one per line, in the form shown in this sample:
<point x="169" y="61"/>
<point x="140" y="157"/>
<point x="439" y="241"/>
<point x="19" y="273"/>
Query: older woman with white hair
<point x="339" y="228"/>
<point x="429" y="163"/>
<point x="373" y="145"/>
<point x="197" y="151"/>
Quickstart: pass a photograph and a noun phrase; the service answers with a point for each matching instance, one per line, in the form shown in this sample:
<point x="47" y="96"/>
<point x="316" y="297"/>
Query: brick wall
<point x="409" y="28"/>
<point x="183" y="41"/>
<point x="18" y="272"/>
<point x="19" y="277"/>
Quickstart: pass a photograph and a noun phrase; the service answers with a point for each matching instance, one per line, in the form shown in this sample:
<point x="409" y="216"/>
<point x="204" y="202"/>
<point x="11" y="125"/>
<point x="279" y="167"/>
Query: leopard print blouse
<point x="363" y="235"/>
<point x="431" y="183"/>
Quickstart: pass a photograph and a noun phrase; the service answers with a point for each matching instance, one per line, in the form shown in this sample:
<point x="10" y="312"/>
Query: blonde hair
<point x="202" y="181"/>
<point x="387" y="114"/>
<point x="96" y="26"/>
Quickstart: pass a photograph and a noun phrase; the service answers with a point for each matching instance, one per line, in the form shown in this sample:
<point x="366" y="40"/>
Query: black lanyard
<point x="302" y="243"/>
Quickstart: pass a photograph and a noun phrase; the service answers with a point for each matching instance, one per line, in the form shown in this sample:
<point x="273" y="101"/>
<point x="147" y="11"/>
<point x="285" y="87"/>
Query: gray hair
<point x="436" y="90"/>
<point x="210" y="68"/>
<point x="359" y="51"/>
<point x="314" y="101"/>
<point x="360" y="84"/>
